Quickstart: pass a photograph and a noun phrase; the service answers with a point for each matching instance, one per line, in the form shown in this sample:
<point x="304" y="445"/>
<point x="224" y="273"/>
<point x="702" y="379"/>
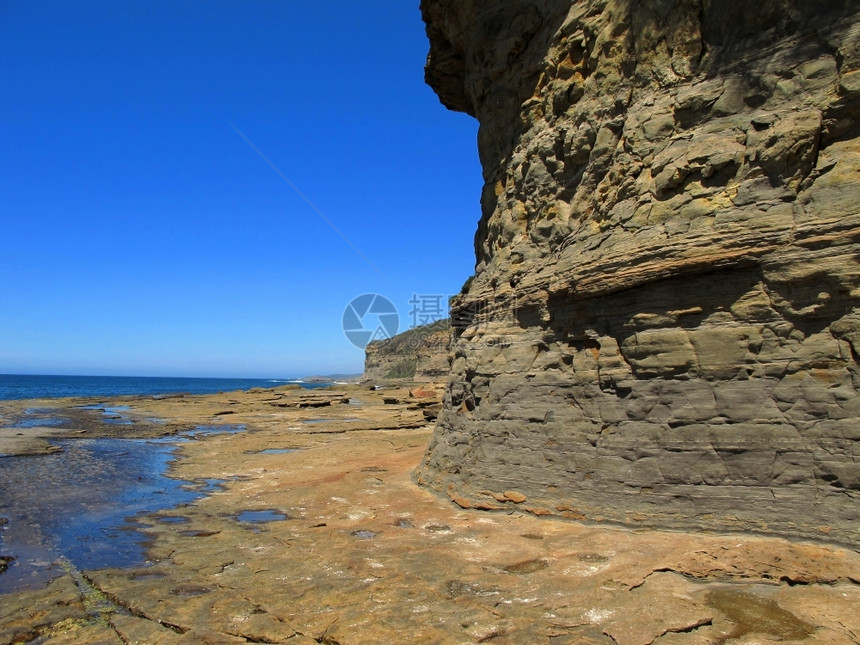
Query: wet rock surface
<point x="662" y="329"/>
<point x="26" y="426"/>
<point x="350" y="550"/>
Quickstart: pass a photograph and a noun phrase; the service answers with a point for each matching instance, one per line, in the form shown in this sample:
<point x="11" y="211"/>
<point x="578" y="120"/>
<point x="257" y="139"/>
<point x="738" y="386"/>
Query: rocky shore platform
<point x="319" y="533"/>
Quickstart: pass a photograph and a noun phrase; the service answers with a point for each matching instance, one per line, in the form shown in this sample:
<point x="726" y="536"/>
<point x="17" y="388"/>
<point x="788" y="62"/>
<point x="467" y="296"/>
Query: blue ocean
<point x="15" y="386"/>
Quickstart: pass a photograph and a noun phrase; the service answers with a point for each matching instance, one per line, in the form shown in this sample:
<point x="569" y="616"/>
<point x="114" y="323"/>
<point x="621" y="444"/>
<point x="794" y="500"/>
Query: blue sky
<point x="140" y="234"/>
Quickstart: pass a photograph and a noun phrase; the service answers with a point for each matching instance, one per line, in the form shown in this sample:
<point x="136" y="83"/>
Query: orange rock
<point x="421" y="393"/>
<point x="515" y="496"/>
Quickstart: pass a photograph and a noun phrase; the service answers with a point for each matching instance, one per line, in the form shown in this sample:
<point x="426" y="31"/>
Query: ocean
<point x="19" y="386"/>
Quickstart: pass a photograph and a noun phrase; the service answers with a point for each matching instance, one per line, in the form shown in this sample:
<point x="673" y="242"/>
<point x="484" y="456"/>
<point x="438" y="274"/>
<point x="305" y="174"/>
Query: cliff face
<point x="663" y="329"/>
<point x="419" y="354"/>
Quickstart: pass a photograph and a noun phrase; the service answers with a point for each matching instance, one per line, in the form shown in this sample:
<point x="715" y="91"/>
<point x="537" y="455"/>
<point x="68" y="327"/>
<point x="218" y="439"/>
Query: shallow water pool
<point x="80" y="504"/>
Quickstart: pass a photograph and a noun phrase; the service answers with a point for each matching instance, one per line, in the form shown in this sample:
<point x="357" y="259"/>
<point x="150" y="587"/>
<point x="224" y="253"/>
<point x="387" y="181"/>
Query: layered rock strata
<point x="663" y="328"/>
<point x="418" y="354"/>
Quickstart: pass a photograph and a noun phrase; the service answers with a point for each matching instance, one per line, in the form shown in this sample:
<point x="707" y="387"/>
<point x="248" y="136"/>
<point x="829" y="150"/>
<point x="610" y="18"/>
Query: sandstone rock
<point x="139" y="630"/>
<point x="27" y="615"/>
<point x="431" y="412"/>
<point x="419" y="354"/>
<point x="360" y="554"/>
<point x="515" y="496"/>
<point x="663" y="328"/>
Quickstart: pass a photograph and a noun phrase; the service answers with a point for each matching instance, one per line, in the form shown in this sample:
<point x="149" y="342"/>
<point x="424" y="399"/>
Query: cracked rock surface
<point x="357" y="553"/>
<point x="663" y="327"/>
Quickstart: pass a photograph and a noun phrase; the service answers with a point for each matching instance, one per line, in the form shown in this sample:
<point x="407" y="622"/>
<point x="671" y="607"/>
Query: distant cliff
<point x="663" y="329"/>
<point x="418" y="354"/>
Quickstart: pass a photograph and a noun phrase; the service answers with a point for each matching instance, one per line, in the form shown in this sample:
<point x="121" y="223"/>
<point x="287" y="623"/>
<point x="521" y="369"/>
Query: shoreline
<point x="357" y="552"/>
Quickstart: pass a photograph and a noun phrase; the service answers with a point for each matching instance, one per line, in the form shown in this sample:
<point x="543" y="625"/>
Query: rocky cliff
<point x="418" y="354"/>
<point x="663" y="329"/>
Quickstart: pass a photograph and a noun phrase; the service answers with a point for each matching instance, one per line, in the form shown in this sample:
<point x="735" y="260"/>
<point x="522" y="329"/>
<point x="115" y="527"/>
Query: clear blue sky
<point x="140" y="234"/>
